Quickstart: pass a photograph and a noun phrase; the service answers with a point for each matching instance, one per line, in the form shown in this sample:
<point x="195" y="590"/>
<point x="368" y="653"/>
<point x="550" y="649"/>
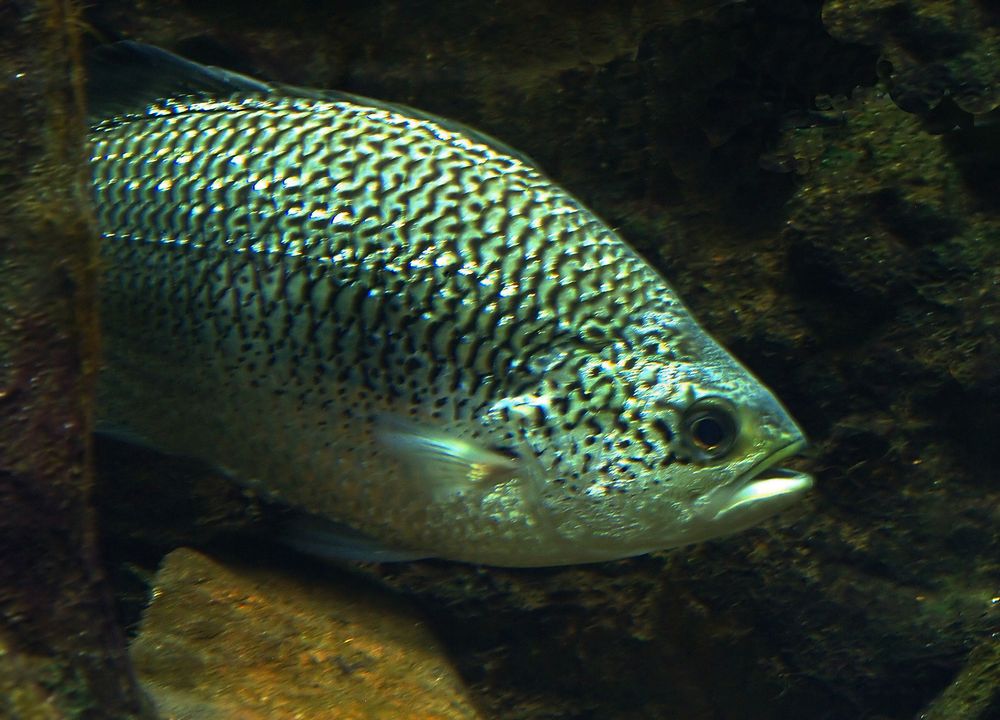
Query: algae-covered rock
<point x="60" y="652"/>
<point x="975" y="693"/>
<point x="231" y="642"/>
<point x="931" y="49"/>
<point x="22" y="696"/>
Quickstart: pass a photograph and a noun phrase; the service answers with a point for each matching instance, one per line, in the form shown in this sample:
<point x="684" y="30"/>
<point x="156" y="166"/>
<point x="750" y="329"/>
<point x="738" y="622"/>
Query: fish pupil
<point x="708" y="432"/>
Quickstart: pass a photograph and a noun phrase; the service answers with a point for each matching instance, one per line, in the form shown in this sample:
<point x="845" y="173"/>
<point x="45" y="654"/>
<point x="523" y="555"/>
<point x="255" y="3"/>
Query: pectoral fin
<point x="446" y="465"/>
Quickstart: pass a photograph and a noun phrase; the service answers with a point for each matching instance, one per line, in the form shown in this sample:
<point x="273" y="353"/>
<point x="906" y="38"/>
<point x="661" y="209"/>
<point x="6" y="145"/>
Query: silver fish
<point x="402" y="328"/>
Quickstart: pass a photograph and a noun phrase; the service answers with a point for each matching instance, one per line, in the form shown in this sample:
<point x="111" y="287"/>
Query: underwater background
<point x="819" y="182"/>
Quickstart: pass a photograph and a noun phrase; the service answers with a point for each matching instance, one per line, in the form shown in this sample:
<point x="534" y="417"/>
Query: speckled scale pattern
<point x="313" y="264"/>
<point x="462" y="231"/>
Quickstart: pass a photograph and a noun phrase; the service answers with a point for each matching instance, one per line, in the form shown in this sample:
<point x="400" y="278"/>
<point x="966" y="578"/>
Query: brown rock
<point x="226" y="642"/>
<point x="60" y="652"/>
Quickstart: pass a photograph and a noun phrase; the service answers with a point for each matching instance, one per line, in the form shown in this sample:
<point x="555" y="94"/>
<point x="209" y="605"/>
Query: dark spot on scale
<point x="663" y="429"/>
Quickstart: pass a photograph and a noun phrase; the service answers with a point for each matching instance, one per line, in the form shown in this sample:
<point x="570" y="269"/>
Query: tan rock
<point x="228" y="642"/>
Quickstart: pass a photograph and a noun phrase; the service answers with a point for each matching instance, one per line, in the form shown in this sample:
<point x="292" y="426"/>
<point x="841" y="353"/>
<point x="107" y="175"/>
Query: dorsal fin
<point x="127" y="76"/>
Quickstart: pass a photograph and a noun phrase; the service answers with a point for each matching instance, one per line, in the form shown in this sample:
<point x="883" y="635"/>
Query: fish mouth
<point x="761" y="492"/>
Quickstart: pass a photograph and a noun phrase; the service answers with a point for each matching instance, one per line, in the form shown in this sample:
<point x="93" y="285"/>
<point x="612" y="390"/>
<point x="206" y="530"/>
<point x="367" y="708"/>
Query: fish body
<point x="403" y="328"/>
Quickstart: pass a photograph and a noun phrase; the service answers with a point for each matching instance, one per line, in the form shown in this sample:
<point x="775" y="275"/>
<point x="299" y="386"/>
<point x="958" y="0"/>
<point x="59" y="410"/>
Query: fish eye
<point x="710" y="426"/>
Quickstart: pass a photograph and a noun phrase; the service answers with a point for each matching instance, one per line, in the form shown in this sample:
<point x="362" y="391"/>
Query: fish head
<point x="657" y="440"/>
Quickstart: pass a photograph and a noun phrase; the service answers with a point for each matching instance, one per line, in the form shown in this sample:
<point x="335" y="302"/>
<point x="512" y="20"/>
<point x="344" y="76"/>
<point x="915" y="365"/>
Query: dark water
<point x="819" y="182"/>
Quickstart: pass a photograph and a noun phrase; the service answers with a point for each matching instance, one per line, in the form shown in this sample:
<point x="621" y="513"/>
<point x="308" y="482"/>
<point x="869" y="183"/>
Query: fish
<point x="403" y="330"/>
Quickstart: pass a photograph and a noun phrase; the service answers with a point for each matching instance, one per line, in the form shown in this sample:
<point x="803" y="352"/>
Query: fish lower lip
<point x="764" y="491"/>
<point x="766" y="494"/>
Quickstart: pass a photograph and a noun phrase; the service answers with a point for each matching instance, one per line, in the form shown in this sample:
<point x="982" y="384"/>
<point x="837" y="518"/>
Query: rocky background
<point x="819" y="181"/>
<point x="62" y="654"/>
